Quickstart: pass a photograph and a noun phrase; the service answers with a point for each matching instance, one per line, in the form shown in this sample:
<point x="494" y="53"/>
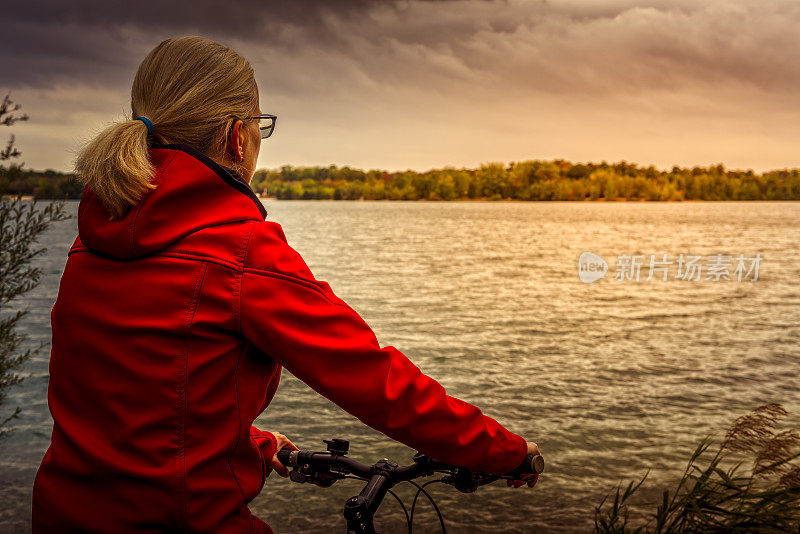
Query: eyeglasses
<point x="266" y="123"/>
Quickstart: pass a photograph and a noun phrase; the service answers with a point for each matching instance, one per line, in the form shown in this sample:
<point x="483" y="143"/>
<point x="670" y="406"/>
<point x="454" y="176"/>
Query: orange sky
<point x="424" y="84"/>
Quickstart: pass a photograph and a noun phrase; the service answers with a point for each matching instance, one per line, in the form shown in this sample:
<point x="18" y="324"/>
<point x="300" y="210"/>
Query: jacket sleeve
<point x="267" y="446"/>
<point x="299" y="322"/>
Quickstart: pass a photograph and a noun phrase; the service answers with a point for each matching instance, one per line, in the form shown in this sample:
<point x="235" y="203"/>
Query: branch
<point x="7" y="109"/>
<point x="9" y="151"/>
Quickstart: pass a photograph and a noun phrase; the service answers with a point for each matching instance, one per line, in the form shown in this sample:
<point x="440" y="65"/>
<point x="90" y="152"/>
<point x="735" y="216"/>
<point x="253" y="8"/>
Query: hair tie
<point x="147" y="123"/>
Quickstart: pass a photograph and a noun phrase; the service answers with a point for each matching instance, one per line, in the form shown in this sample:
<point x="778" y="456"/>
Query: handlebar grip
<point x="533" y="463"/>
<point x="284" y="457"/>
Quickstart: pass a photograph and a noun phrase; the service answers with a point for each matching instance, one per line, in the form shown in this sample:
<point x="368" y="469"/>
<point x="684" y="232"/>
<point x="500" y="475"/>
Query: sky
<point x="415" y="84"/>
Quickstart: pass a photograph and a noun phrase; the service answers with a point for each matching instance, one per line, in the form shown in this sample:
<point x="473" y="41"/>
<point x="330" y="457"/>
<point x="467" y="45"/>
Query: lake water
<point x="610" y="379"/>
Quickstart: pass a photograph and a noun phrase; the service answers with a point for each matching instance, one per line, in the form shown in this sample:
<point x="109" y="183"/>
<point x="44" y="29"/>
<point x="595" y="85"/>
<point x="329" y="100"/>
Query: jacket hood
<point x="192" y="192"/>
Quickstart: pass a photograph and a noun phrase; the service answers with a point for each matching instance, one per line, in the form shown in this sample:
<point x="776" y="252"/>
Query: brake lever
<point x="462" y="479"/>
<point x="320" y="478"/>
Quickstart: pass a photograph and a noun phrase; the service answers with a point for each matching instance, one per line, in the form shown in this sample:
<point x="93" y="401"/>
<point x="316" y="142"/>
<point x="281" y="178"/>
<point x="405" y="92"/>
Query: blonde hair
<point x="189" y="88"/>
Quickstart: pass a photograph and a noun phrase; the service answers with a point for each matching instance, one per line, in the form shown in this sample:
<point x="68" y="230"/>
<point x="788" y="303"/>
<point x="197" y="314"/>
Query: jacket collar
<point x="192" y="192"/>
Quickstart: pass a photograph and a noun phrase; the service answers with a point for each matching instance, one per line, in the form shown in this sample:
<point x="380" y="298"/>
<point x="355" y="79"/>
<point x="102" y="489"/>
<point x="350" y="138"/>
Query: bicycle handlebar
<point x="317" y="459"/>
<point x="325" y="468"/>
<point x="423" y="465"/>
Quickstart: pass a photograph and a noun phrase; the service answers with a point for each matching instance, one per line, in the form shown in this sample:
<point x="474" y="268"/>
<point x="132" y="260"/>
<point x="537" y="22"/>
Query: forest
<point x="536" y="180"/>
<point x="531" y="180"/>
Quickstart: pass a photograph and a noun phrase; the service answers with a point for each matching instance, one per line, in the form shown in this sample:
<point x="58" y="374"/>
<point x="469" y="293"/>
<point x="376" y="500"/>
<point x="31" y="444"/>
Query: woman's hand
<point x="527" y="478"/>
<point x="283" y="442"/>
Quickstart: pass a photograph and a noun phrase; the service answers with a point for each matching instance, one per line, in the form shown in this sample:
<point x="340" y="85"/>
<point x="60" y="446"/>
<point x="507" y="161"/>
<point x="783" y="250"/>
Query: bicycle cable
<point x="435" y="507"/>
<point x="408" y="521"/>
<point x="420" y="489"/>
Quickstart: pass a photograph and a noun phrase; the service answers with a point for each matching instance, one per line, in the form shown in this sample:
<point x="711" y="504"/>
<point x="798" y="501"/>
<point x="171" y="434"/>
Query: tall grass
<point x="751" y="483"/>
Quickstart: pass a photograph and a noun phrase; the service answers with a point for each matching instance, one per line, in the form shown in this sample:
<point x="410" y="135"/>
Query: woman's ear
<point x="236" y="141"/>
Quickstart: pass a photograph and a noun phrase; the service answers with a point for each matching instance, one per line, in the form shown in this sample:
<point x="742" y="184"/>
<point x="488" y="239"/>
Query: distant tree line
<point x="526" y="180"/>
<point x="530" y="180"/>
<point x="47" y="184"/>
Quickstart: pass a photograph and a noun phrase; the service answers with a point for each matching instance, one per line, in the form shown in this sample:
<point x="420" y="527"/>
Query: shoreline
<point x="488" y="200"/>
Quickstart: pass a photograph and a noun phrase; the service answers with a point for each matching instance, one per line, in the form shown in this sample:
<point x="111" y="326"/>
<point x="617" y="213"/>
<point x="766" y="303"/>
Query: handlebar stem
<point x="360" y="510"/>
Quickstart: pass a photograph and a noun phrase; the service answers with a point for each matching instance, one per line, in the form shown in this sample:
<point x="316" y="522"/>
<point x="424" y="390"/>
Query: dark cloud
<point x="240" y="17"/>
<point x="45" y="42"/>
<point x="546" y="45"/>
<point x="421" y="66"/>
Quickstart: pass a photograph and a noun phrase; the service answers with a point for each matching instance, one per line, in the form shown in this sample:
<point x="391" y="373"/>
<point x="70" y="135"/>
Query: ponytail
<point x="116" y="166"/>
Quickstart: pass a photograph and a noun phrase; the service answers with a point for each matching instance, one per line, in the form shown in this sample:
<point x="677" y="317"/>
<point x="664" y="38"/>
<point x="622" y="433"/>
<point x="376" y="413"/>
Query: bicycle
<point x="325" y="468"/>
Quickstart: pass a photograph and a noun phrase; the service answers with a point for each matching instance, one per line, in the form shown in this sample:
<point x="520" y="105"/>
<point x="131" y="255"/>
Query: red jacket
<point x="169" y="332"/>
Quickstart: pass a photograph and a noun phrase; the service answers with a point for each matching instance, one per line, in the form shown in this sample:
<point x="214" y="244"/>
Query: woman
<point x="178" y="307"/>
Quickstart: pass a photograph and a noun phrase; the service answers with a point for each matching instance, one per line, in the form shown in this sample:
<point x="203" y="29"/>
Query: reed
<point x="751" y="483"/>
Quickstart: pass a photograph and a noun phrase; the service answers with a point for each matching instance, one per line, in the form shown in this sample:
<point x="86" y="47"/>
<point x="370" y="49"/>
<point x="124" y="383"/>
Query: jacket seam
<point x="236" y="267"/>
<point x="239" y="419"/>
<point x="236" y="299"/>
<point x="183" y="236"/>
<point x="237" y="291"/>
<point x="172" y="254"/>
<point x="245" y="245"/>
<point x="240" y="269"/>
<point x="183" y="371"/>
<point x="198" y="257"/>
<point x="289" y="278"/>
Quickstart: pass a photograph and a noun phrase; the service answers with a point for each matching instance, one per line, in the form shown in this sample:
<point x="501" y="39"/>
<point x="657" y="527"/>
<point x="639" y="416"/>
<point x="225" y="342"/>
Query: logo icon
<point x="591" y="267"/>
